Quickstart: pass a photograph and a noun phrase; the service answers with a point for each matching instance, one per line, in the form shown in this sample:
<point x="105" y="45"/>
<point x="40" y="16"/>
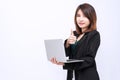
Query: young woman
<point x="82" y="44"/>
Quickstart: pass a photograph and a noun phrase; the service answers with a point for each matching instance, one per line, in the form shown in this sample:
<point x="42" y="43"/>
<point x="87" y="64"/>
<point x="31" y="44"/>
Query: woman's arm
<point x="67" y="48"/>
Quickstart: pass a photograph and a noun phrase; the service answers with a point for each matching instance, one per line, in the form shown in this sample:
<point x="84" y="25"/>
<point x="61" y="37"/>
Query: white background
<point x="24" y="24"/>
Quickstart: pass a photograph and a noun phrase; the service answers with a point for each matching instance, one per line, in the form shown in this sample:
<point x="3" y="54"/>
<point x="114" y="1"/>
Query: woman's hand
<point x="54" y="61"/>
<point x="71" y="40"/>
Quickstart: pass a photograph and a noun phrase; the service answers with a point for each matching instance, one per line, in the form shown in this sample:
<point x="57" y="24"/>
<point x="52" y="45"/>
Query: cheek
<point x="87" y="22"/>
<point x="77" y="19"/>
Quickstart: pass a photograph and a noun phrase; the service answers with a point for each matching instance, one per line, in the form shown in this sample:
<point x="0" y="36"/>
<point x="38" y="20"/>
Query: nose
<point x="80" y="18"/>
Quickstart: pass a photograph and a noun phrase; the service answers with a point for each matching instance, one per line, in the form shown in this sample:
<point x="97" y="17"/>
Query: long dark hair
<point x="90" y="13"/>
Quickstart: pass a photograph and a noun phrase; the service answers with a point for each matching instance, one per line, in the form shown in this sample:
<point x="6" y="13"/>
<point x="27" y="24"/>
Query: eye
<point x="78" y="15"/>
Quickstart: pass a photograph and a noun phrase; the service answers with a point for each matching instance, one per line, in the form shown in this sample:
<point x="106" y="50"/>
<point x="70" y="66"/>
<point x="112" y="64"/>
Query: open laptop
<point x="55" y="49"/>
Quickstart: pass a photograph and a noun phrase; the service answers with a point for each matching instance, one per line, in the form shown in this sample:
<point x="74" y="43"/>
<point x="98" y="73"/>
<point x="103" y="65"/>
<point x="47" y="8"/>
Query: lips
<point x="81" y="24"/>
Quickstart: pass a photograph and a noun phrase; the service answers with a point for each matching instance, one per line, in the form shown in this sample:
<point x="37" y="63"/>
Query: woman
<point x="82" y="44"/>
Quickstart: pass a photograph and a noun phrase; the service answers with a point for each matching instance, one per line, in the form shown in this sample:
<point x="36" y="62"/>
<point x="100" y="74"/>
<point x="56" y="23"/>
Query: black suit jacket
<point x="86" y="50"/>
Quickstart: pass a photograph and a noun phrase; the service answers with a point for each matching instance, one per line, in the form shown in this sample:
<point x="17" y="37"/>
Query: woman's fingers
<point x="54" y="61"/>
<point x="72" y="39"/>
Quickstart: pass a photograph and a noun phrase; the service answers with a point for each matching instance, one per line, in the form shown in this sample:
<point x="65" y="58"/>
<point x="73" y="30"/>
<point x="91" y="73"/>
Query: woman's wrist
<point x="67" y="44"/>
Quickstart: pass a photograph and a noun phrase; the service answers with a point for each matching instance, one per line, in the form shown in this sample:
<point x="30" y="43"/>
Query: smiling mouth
<point x="81" y="23"/>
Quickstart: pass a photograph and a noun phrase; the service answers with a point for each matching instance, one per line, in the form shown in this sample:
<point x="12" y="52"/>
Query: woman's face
<point x="82" y="21"/>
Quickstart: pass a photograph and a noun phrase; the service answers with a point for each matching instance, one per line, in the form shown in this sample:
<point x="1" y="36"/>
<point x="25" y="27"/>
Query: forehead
<point x="79" y="11"/>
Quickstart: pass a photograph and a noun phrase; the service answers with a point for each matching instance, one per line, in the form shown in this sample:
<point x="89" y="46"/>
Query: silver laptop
<point x="55" y="48"/>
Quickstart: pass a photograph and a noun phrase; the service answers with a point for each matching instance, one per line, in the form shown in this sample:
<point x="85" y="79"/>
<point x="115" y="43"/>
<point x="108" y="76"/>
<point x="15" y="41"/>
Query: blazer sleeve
<point x="89" y="58"/>
<point x="67" y="50"/>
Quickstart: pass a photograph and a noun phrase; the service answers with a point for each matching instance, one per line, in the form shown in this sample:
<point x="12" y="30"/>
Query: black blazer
<point x="86" y="50"/>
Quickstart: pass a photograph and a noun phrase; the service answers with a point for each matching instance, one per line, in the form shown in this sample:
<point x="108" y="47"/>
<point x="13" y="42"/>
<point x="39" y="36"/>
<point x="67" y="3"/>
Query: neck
<point x="80" y="36"/>
<point x="84" y="29"/>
